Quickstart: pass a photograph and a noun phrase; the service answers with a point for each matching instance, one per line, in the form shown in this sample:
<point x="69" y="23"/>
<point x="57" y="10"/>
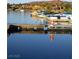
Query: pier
<point x="34" y="29"/>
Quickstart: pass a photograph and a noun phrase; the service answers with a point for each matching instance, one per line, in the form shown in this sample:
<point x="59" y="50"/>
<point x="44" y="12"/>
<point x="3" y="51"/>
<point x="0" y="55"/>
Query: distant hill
<point x="43" y="4"/>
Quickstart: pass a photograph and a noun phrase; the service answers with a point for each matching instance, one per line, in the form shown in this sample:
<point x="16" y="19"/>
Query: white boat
<point x="22" y="10"/>
<point x="59" y="19"/>
<point x="41" y="15"/>
<point x="60" y="16"/>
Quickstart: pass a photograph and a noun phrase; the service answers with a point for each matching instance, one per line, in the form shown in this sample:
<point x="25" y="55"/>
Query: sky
<point x="26" y="1"/>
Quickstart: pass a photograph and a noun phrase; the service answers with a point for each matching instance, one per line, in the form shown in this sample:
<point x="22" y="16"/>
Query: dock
<point x="35" y="29"/>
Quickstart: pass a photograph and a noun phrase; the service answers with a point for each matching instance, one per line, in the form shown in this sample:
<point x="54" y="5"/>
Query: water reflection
<point x="40" y="46"/>
<point x="51" y="36"/>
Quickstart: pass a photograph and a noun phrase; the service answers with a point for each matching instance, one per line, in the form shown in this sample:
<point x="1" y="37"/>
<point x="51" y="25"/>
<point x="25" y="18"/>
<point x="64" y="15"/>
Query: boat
<point x="60" y="16"/>
<point x="22" y="10"/>
<point x="41" y="15"/>
<point x="59" y="19"/>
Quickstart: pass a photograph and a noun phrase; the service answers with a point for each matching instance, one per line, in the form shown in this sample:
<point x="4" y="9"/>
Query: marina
<point x="39" y="30"/>
<point x="61" y="23"/>
<point x="53" y="24"/>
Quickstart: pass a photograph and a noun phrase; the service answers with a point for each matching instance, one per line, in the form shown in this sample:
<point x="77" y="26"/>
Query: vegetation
<point x="42" y="5"/>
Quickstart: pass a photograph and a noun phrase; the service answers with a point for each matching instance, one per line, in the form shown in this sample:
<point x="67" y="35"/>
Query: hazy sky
<point x="25" y="1"/>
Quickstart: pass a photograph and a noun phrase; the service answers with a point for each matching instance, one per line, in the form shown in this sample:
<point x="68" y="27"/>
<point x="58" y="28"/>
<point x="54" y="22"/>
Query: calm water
<point x="17" y="17"/>
<point x="36" y="46"/>
<point x="39" y="46"/>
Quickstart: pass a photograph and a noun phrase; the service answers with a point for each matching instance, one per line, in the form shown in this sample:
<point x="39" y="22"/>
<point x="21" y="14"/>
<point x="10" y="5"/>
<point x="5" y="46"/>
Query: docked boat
<point x="22" y="10"/>
<point x="59" y="19"/>
<point x="38" y="14"/>
<point x="60" y="16"/>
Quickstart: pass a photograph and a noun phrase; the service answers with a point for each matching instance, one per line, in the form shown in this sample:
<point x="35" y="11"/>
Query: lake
<point x="36" y="46"/>
<point x="17" y="17"/>
<point x="39" y="46"/>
